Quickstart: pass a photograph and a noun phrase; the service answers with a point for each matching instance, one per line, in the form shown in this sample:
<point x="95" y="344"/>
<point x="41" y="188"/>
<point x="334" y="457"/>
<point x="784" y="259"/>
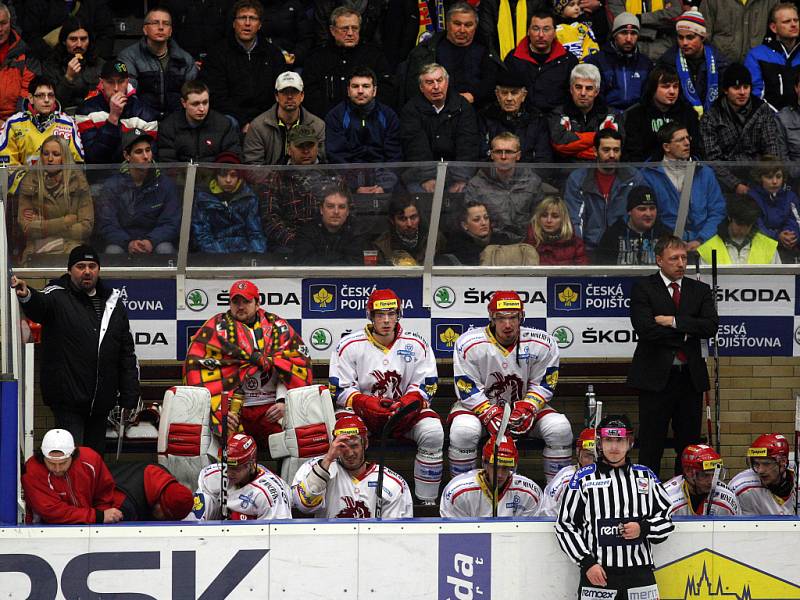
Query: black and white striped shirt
<point x="598" y="499"/>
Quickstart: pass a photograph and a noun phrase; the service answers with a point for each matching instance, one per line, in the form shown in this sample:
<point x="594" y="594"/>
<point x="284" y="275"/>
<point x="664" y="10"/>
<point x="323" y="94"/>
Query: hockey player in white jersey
<point x="689" y="492"/>
<point x="342" y="484"/>
<point x="585" y="454"/>
<point x="470" y="494"/>
<point x="383" y="367"/>
<point x="505" y="362"/>
<point x="254" y="492"/>
<point x="768" y="487"/>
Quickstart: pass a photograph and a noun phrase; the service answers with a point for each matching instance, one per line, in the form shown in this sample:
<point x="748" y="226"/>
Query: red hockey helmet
<point x="350" y="425"/>
<point x="241" y="450"/>
<point x="384" y="300"/>
<point x="769" y="445"/>
<point x="586" y="440"/>
<point x="506" y="302"/>
<point x="699" y="457"/>
<point x="507" y="454"/>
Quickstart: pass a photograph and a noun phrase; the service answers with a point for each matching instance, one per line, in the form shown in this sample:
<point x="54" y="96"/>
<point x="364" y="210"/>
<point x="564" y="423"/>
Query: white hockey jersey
<point x="361" y="364"/>
<point x="265" y="498"/>
<point x="755" y="499"/>
<point x="485" y="371"/>
<point x="724" y="503"/>
<point x="554" y="492"/>
<point x="337" y="495"/>
<point x="470" y="495"/>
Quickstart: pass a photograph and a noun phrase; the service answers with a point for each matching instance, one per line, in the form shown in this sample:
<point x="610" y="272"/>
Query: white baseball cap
<point x="289" y="79"/>
<point x="58" y="440"/>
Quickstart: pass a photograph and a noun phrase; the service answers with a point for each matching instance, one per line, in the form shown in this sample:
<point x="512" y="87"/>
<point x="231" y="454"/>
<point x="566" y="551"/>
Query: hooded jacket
<point x="779" y="212"/>
<point x="643" y="120"/>
<point x="774" y="72"/>
<point x="547" y="83"/>
<point x="622" y="76"/>
<point x="224" y="223"/>
<point x="16" y="73"/>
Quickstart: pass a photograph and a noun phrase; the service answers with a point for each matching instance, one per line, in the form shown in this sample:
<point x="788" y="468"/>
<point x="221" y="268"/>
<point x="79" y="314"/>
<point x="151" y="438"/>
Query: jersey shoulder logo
<point x="574" y="483"/>
<point x="647" y="470"/>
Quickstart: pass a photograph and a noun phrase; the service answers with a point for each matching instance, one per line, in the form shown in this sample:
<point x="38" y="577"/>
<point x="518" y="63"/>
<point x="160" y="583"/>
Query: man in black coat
<point x="670" y="313"/>
<point x="88" y="358"/>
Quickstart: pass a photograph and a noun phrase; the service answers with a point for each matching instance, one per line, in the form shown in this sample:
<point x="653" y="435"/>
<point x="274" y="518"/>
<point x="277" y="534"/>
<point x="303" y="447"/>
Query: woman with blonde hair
<point x="56" y="213"/>
<point x="550" y="232"/>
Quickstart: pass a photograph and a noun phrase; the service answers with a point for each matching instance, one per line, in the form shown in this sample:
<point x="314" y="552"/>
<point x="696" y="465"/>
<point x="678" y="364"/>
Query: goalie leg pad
<point x="555" y="430"/>
<point x="429" y="461"/>
<point x="465" y="431"/>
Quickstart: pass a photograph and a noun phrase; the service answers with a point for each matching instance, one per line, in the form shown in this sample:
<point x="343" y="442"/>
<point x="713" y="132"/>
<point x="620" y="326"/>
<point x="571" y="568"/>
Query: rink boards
<point x="426" y="559"/>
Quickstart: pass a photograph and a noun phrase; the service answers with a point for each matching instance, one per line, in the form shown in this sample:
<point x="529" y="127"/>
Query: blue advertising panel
<point x="589" y="296"/>
<point x="465" y="565"/>
<point x="347" y="298"/>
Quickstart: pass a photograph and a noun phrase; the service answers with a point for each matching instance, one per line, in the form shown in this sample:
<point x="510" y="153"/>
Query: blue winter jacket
<point x="128" y="212"/>
<point x="622" y="76"/>
<point x="774" y="73"/>
<point x="225" y="223"/>
<point x="706" y="205"/>
<point x="780" y="212"/>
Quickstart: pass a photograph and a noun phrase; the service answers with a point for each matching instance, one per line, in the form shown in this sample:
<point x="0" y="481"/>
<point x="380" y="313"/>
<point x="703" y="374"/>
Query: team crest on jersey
<point x="407" y="353"/>
<point x="387" y="384"/>
<point x="353" y="509"/>
<point x="199" y="505"/>
<point x="515" y="503"/>
<point x="246" y="499"/>
<point x="505" y="386"/>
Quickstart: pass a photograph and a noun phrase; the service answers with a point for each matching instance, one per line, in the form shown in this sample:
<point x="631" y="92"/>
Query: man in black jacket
<point x="89" y="363"/>
<point x="197" y="132"/>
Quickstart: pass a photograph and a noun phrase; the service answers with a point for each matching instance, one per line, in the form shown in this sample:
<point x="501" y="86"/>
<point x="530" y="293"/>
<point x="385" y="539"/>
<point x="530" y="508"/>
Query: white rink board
<point x="404" y="560"/>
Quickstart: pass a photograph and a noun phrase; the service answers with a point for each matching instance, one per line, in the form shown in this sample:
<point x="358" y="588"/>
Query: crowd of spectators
<point x="313" y="83"/>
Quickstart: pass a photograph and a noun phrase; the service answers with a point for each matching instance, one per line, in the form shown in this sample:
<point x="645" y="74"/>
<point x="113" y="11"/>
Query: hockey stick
<point x="591" y="406"/>
<point x="716" y="353"/>
<point x="120" y="432"/>
<point x="390" y="425"/>
<point x="223" y="486"/>
<point x="796" y="452"/>
<point x="706" y="395"/>
<point x="714" y="482"/>
<point x="501" y="432"/>
<point x="598" y="414"/>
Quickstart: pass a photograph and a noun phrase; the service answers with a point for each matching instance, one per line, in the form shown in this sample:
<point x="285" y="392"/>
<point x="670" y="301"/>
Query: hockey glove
<point x="491" y="418"/>
<point x="522" y="417"/>
<point x="410" y="418"/>
<point x="373" y="409"/>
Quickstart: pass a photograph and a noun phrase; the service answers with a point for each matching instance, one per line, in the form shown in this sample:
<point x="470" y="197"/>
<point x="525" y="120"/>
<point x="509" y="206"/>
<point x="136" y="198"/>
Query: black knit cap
<point x="81" y="253"/>
<point x="735" y="75"/>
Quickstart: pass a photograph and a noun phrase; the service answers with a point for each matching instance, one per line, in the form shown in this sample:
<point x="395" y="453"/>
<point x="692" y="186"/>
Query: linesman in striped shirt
<point x="612" y="511"/>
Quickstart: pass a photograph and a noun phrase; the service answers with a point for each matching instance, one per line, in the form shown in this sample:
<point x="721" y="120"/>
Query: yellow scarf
<point x="505" y="26"/>
<point x="635" y="6"/>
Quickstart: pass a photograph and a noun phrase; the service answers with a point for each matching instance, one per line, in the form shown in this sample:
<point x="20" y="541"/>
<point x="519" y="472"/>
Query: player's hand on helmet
<point x="522" y="418"/>
<point x="491" y="418"/>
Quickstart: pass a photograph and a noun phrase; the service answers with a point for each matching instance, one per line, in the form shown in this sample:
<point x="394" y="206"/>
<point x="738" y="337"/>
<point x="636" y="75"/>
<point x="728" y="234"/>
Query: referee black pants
<point x="678" y="402"/>
<point x="639" y="581"/>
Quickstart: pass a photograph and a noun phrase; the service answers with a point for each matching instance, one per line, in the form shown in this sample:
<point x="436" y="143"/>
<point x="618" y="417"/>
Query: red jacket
<point x="79" y="497"/>
<point x="15" y="75"/>
<point x="562" y="252"/>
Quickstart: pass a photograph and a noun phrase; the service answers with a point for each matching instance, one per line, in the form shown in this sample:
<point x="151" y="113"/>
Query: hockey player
<point x="768" y="487"/>
<point x="470" y="494"/>
<point x="254" y="492"/>
<point x="505" y="362"/>
<point x="383" y="367"/>
<point x="342" y="484"/>
<point x="689" y="492"/>
<point x="612" y="511"/>
<point x="554" y="491"/>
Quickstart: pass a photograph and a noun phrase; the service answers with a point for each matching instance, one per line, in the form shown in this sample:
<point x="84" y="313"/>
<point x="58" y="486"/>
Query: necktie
<point x="676" y="299"/>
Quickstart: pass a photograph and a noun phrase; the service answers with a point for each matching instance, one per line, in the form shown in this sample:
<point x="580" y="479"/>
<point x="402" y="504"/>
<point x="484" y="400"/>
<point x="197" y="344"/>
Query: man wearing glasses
<point x="241" y="73"/>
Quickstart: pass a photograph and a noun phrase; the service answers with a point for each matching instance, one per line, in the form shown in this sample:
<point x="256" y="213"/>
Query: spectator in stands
<point x="290" y="198"/>
<point x="40" y="19"/>
<point x="661" y="103"/>
<point x="623" y="68"/>
<point x="550" y="232"/>
<point x="267" y="139"/>
<point x="706" y="203"/>
<point x="632" y="239"/>
<point x="332" y="238"/>
<point x="734" y="27"/>
<point x="17" y="68"/>
<point x="738" y="240"/>
<point x="473" y="235"/>
<point x="138" y="212"/>
<point x="509" y="192"/>
<point x="240" y="73"/>
<point x="197" y="132"/>
<point x="738" y="127"/>
<point x="698" y="63"/>
<point x="149" y="492"/>
<point x="501" y="30"/>
<point x="371" y="14"/>
<point x="157" y="65"/>
<point x="573" y="125"/>
<point x="472" y="67"/>
<point x="543" y="63"/>
<point x="199" y="27"/>
<point x="780" y="206"/>
<point x="225" y="217"/>
<point x="438" y="124"/>
<point x="73" y="65"/>
<point x="290" y="28"/>
<point x="360" y="129"/>
<point x="65" y="485"/>
<point x="789" y="126"/>
<point x="510" y="113"/>
<point x="776" y="62"/>
<point x="109" y="110"/>
<point x="82" y="386"/>
<point x="573" y="30"/>
<point x="56" y="213"/>
<point x="328" y="67"/>
<point x="657" y="23"/>
<point x="405" y="240"/>
<point x="597" y="196"/>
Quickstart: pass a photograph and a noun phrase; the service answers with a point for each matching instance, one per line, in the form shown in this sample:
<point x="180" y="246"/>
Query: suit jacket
<point x="696" y="318"/>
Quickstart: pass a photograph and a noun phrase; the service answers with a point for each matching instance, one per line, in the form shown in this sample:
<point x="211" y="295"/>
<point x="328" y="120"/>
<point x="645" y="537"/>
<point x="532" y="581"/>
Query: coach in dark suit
<point x="671" y="314"/>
